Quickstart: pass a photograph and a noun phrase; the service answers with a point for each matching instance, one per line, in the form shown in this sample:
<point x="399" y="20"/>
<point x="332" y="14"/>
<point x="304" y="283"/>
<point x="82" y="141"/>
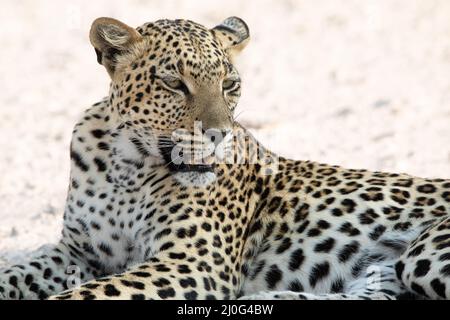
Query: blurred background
<point x="362" y="84"/>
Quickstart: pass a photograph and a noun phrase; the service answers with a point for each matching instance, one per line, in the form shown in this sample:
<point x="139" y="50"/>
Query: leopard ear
<point x="111" y="38"/>
<point x="233" y="34"/>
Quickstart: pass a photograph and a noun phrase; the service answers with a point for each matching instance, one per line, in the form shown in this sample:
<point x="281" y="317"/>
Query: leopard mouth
<point x="199" y="168"/>
<point x="196" y="175"/>
<point x="166" y="152"/>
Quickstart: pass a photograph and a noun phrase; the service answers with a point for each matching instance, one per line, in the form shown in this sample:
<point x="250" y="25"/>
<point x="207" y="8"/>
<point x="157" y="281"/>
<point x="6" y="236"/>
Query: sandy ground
<point x="363" y="84"/>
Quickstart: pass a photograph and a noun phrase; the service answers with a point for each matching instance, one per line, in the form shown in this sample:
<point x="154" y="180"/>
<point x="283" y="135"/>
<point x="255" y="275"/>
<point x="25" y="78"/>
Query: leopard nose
<point x="216" y="135"/>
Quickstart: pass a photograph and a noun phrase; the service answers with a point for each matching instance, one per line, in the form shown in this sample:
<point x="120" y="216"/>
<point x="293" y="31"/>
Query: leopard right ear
<point x="234" y="35"/>
<point x="110" y="38"/>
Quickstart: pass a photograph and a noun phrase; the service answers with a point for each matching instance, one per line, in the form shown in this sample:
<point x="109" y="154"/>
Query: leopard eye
<point x="229" y="84"/>
<point x="176" y="84"/>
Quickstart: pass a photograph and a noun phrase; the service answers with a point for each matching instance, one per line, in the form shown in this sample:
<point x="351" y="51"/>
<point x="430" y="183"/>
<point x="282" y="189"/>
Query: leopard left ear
<point x="111" y="38"/>
<point x="233" y="33"/>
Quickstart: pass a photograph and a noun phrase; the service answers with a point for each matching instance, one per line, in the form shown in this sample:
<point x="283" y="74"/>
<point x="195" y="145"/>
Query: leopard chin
<point x="195" y="179"/>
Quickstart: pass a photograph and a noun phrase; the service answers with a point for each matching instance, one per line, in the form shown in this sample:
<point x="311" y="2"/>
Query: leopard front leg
<point x="424" y="267"/>
<point x="159" y="279"/>
<point x="378" y="283"/>
<point x="291" y="295"/>
<point x="52" y="272"/>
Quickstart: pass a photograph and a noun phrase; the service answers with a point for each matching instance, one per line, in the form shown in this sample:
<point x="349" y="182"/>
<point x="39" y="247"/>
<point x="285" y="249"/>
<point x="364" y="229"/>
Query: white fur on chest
<point x="111" y="222"/>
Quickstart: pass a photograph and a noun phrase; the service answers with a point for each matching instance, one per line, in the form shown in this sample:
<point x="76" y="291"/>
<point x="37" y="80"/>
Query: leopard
<point x="170" y="197"/>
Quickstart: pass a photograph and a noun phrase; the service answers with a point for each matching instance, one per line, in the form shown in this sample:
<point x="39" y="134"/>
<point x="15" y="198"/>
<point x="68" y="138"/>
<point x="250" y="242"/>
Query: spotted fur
<point x="137" y="225"/>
